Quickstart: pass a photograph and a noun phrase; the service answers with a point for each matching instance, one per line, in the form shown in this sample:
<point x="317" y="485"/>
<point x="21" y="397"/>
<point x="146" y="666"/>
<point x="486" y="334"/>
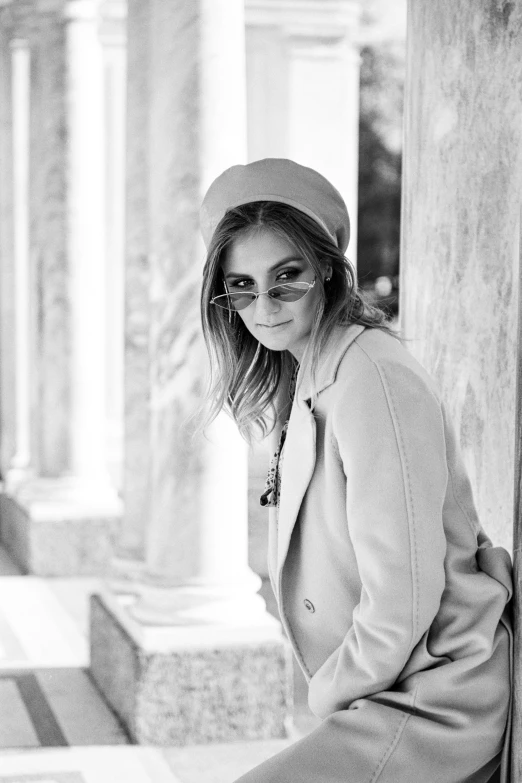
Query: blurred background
<point x="380" y="146"/>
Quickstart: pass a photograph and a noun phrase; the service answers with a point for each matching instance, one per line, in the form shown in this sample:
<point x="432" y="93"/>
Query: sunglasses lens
<point x="289" y="292"/>
<point x="234" y="301"/>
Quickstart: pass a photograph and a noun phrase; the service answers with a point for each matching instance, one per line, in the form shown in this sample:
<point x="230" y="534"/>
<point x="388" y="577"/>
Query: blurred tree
<point x="380" y="137"/>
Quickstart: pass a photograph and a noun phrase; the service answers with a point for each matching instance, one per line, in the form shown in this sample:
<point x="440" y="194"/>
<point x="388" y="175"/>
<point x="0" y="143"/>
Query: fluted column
<point x="190" y="595"/>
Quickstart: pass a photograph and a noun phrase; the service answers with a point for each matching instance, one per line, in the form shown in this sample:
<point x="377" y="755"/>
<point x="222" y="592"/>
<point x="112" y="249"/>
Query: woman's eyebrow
<point x="271" y="269"/>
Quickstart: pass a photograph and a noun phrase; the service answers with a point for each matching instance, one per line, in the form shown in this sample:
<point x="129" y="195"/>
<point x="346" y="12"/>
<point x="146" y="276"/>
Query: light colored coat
<point x="393" y="597"/>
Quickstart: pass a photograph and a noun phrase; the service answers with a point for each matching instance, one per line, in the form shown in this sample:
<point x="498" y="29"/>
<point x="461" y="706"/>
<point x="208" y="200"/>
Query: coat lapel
<point x="298" y="467"/>
<point x="300" y="444"/>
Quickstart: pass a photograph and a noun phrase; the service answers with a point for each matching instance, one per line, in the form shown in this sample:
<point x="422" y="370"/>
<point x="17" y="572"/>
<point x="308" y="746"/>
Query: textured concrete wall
<point x="459" y="260"/>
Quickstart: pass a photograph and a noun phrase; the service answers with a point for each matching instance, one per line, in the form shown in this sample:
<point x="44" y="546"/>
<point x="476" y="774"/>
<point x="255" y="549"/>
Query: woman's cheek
<point x="247" y="321"/>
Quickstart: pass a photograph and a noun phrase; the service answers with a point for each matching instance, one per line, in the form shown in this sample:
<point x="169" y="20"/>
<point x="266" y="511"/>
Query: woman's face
<point x="257" y="261"/>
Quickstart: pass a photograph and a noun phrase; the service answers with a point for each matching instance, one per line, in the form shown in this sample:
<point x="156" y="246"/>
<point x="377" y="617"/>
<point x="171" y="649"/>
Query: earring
<point x="327" y="280"/>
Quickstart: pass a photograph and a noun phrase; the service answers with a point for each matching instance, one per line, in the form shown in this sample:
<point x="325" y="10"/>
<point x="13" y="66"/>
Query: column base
<point x="183" y="685"/>
<point x="60" y="528"/>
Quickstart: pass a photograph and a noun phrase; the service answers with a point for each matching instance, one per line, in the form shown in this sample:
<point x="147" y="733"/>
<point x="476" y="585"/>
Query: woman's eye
<point x="288" y="274"/>
<point x="244" y="283"/>
<point x="282" y="277"/>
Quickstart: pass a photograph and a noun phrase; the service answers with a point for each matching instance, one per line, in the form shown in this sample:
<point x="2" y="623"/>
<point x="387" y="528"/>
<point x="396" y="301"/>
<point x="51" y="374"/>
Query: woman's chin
<point x="274" y="345"/>
<point x="274" y="340"/>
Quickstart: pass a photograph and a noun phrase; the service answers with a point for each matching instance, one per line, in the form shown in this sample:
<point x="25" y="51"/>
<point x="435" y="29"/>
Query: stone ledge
<point x="74" y="544"/>
<point x="190" y="694"/>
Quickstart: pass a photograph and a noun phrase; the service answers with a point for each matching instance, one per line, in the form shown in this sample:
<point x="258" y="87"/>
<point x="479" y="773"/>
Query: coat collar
<point x="300" y="446"/>
<point x="337" y="344"/>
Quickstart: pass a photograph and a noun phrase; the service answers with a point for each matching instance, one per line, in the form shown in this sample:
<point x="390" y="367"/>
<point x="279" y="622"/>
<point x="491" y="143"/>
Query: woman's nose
<point x="266" y="304"/>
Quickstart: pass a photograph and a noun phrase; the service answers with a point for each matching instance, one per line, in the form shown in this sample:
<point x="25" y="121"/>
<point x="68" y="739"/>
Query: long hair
<point x="244" y="375"/>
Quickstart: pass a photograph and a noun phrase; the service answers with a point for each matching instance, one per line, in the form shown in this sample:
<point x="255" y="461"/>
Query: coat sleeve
<point x="388" y="430"/>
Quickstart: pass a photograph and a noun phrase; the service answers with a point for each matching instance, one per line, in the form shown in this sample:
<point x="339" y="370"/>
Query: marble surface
<point x="185" y="499"/>
<point x="220" y="762"/>
<point x="73" y="548"/>
<point x="7" y="269"/>
<point x="63" y="235"/>
<point x="210" y="693"/>
<point x="52" y="699"/>
<point x="137" y="447"/>
<point x="52" y="533"/>
<point x="459" y="256"/>
<point x="51" y="334"/>
<point x="114" y="664"/>
<point x="87" y="765"/>
<point x="54" y="707"/>
<point x="176" y="354"/>
<point x="15" y="532"/>
<point x="36" y="630"/>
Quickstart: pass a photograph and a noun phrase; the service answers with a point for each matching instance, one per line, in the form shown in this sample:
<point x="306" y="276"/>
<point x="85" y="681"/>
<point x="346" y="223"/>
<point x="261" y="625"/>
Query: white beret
<point x="277" y="179"/>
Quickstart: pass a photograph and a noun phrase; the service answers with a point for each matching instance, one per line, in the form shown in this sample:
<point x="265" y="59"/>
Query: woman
<point x="393" y="598"/>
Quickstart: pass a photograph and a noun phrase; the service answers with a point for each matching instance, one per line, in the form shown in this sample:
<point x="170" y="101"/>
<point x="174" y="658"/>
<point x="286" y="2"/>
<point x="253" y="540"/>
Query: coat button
<point x="309" y="605"/>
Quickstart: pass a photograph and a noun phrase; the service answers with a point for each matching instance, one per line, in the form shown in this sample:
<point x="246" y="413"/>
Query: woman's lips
<point x="274" y="326"/>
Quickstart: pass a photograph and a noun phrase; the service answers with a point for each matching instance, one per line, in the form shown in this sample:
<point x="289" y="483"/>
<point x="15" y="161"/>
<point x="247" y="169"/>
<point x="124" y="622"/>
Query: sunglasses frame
<point x="256" y="294"/>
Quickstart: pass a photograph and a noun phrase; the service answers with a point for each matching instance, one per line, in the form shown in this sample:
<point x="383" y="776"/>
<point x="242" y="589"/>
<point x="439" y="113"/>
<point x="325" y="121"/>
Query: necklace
<point x="270" y="496"/>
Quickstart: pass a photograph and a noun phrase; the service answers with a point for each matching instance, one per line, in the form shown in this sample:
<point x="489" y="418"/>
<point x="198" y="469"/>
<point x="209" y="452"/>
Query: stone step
<point x="42" y="625"/>
<point x="136" y="764"/>
<point x="87" y="765"/>
<point x="55" y="727"/>
<point x="54" y="708"/>
<point x="8" y="567"/>
<point x="220" y="763"/>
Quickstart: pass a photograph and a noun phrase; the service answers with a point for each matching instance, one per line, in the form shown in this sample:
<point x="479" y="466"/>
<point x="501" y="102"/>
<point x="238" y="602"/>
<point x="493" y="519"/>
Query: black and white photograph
<point x="260" y="391"/>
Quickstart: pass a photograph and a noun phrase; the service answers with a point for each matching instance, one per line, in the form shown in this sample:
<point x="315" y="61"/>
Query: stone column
<point x="20" y="467"/>
<point x="60" y="509"/>
<point x="193" y="656"/>
<point x="112" y="31"/>
<point x="516" y="754"/>
<point x="7" y="391"/>
<point x="15" y="333"/>
<point x="303" y="88"/>
<point x="461" y="202"/>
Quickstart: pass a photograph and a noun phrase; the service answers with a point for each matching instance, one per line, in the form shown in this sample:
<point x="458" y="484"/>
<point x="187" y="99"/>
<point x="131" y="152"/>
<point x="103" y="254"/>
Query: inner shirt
<point x="270" y="496"/>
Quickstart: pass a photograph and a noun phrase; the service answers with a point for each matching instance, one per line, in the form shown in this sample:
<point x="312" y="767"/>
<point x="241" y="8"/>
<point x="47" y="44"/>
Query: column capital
<point x="308" y="18"/>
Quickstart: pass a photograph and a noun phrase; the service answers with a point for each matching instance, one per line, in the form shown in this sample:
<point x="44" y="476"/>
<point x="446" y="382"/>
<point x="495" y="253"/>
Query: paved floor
<point x="54" y="725"/>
